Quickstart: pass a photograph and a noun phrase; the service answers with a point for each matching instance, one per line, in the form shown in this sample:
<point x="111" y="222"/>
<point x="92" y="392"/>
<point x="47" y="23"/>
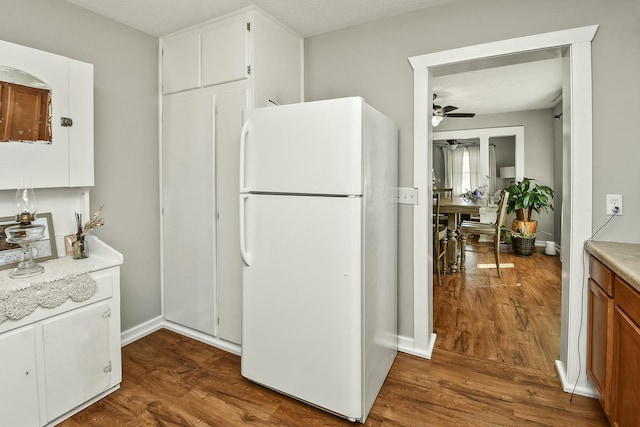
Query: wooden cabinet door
<point x="24" y="113"/>
<point x="626" y="376"/>
<point x="225" y="53"/>
<point x="19" y="389"/>
<point x="188" y="199"/>
<point x="181" y="64"/>
<point x="77" y="357"/>
<point x="600" y="346"/>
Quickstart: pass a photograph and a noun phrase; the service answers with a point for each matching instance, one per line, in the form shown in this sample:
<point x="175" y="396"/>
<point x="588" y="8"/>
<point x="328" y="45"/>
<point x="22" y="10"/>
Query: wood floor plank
<point x="493" y="365"/>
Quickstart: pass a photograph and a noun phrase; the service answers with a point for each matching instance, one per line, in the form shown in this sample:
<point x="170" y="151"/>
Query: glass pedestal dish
<point x="25" y="236"/>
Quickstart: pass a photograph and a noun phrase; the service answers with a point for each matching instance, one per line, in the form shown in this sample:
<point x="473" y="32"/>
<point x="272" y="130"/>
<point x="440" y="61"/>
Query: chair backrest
<point x="446" y="192"/>
<point x="502" y="209"/>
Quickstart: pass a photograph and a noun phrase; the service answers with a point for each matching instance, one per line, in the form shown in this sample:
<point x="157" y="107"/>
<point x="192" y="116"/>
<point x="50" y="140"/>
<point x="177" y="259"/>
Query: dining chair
<point x="439" y="238"/>
<point x="488" y="229"/>
<point x="446" y="192"/>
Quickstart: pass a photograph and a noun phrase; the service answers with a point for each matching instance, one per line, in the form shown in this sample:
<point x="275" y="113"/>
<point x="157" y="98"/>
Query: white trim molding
<point x="577" y="182"/>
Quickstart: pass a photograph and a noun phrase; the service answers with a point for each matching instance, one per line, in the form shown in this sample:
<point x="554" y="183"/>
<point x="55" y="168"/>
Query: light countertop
<point x="622" y="258"/>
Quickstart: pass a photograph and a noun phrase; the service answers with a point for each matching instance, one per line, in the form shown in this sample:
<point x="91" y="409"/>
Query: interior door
<point x="188" y="193"/>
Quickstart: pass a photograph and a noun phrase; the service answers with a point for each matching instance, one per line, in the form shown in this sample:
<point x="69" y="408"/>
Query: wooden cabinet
<point x="211" y="73"/>
<point x="600" y="345"/>
<point x="614" y="344"/>
<point x="626" y="357"/>
<point x="57" y="123"/>
<point x="65" y="353"/>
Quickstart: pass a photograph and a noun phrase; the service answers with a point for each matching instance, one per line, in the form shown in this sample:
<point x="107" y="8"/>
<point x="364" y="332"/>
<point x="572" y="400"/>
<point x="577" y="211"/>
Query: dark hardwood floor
<point x="493" y="365"/>
<point x="514" y="320"/>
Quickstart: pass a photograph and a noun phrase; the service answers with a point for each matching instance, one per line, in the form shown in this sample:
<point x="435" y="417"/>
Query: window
<point x="466" y="172"/>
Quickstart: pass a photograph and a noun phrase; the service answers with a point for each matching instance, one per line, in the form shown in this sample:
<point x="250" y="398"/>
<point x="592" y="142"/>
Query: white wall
<point x="126" y="132"/>
<point x="370" y="60"/>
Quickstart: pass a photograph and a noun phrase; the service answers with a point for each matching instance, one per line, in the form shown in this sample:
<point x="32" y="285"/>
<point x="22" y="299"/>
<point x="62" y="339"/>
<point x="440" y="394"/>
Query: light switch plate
<point x="407" y="196"/>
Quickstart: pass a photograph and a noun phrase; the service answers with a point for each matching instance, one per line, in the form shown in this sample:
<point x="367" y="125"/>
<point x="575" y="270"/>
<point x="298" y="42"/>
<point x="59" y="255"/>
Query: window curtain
<point x="453" y="169"/>
<point x="474" y="167"/>
<point x="492" y="169"/>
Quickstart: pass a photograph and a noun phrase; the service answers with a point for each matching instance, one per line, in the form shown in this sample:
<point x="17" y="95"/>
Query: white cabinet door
<point x="181" y="64"/>
<point x="77" y="357"/>
<point x="225" y="53"/>
<point x="188" y="191"/>
<point x="19" y="390"/>
<point x="228" y="125"/>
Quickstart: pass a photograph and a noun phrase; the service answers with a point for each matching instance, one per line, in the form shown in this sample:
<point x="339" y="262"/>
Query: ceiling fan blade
<point x="460" y="115"/>
<point x="448" y="108"/>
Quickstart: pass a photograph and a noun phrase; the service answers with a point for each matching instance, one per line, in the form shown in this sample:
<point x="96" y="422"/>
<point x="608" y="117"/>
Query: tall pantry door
<point x="229" y="107"/>
<point x="188" y="193"/>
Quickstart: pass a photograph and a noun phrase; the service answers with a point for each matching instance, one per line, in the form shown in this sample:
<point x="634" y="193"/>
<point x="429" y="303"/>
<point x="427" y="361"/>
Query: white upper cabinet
<point x="225" y="53"/>
<point x="216" y="53"/>
<point x="46" y="121"/>
<point x="181" y="63"/>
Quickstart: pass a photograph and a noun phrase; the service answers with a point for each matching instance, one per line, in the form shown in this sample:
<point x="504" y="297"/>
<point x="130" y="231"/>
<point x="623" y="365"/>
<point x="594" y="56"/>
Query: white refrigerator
<point x="318" y="237"/>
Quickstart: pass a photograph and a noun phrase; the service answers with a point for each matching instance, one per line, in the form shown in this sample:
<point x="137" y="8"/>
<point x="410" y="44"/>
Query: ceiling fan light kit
<point x="439" y="113"/>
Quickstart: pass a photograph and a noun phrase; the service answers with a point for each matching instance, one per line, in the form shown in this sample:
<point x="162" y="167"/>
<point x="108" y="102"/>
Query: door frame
<point x="577" y="192"/>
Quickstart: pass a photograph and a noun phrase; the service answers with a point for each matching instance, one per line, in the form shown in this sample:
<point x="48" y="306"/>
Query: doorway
<point x="577" y="191"/>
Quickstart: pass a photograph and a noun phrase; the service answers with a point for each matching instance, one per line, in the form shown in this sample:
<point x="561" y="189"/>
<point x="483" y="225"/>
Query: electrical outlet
<point x="614" y="201"/>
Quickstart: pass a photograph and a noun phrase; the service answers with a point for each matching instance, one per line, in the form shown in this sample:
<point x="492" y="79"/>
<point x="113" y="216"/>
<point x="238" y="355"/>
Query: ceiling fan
<point x="439" y="113"/>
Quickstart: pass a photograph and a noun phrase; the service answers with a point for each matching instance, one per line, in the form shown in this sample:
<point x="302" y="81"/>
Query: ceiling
<point x="489" y="87"/>
<point x="305" y="17"/>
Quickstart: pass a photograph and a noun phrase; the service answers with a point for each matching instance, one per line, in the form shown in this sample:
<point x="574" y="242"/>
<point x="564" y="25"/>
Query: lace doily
<point x="49" y="291"/>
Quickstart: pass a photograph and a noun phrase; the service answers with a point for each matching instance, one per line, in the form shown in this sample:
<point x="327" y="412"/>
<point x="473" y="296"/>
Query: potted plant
<point x="526" y="197"/>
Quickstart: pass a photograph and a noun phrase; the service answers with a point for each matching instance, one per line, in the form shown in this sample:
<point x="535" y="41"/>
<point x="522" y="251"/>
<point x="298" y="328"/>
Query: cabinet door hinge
<point x="107" y="368"/>
<point x="248" y="69"/>
<point x="66" y="122"/>
<point x="107" y="313"/>
<point x="248" y="26"/>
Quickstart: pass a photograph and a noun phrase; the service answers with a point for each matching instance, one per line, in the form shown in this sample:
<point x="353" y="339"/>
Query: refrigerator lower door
<point x="301" y="321"/>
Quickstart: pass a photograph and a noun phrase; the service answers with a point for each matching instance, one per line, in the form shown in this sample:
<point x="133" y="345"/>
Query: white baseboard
<point x="406" y="345"/>
<point x="199" y="336"/>
<point x="142" y="330"/>
<point x="150" y="326"/>
<point x="572" y="388"/>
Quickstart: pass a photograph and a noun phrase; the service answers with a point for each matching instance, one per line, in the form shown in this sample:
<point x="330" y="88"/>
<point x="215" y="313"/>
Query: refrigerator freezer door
<point x="301" y="325"/>
<point x="308" y="148"/>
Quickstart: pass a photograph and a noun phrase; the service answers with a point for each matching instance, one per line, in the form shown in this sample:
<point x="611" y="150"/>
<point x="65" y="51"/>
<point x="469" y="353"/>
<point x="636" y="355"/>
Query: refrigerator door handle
<point x="243" y="143"/>
<point x="243" y="246"/>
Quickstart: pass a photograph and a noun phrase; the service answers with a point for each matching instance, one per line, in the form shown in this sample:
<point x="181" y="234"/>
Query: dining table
<point x="454" y="207"/>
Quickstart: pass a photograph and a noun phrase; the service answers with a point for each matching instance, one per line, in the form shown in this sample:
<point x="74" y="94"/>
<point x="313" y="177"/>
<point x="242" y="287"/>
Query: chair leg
<point x="463" y="245"/>
<point x="496" y="250"/>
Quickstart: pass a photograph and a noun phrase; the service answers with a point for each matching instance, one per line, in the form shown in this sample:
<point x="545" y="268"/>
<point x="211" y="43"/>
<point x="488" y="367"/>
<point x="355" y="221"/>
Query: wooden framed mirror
<point x="25" y="107"/>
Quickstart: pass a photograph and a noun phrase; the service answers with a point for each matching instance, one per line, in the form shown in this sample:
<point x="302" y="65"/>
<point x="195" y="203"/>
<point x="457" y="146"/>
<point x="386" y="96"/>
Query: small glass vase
<point x="80" y="248"/>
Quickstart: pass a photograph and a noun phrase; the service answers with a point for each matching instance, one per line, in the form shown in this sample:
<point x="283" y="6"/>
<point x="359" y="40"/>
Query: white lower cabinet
<point x="65" y="353"/>
<point x="77" y="357"/>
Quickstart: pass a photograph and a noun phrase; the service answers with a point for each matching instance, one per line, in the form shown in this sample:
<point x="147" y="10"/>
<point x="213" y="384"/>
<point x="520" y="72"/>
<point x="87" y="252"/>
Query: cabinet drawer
<point x="628" y="299"/>
<point x="602" y="275"/>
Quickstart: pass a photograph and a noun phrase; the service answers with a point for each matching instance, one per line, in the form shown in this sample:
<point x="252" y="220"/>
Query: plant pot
<point x="523" y="246"/>
<point x="505" y="247"/>
<point x="524" y="227"/>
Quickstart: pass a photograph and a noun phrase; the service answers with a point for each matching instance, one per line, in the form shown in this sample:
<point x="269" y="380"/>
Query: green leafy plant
<point x="526" y="196"/>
